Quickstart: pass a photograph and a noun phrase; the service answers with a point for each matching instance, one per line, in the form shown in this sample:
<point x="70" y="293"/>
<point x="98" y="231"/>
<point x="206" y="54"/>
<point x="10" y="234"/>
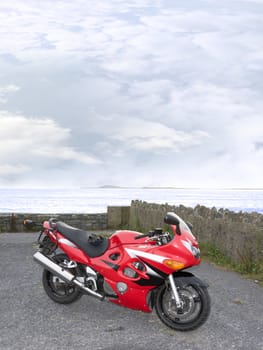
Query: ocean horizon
<point x="97" y="199"/>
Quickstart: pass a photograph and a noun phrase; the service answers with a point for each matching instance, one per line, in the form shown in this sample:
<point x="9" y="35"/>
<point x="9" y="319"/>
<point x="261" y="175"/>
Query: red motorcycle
<point x="135" y="270"/>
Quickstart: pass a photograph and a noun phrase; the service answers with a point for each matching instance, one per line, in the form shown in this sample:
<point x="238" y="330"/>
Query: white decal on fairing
<point x="188" y="245"/>
<point x="67" y="242"/>
<point x="151" y="272"/>
<point x="137" y="253"/>
<point x="134" y="253"/>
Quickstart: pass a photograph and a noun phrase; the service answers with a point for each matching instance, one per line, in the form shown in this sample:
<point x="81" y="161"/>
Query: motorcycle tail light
<point x="174" y="264"/>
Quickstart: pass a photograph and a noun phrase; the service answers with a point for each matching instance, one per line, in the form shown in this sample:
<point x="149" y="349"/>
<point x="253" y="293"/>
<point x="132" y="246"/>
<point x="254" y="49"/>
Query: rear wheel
<point x="195" y="307"/>
<point x="58" y="290"/>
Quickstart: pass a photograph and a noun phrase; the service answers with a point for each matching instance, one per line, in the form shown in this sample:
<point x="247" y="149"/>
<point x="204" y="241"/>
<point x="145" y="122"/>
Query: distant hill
<point x="110" y="186"/>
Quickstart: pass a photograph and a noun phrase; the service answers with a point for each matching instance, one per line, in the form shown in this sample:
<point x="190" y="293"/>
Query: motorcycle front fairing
<point x="133" y="268"/>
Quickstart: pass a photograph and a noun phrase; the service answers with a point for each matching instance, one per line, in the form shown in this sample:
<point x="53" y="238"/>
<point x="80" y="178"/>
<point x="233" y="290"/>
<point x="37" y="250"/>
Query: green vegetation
<point x="247" y="267"/>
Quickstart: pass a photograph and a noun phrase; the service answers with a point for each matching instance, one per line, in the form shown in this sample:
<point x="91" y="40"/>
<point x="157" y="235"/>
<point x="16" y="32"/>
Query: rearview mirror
<point x="171" y="219"/>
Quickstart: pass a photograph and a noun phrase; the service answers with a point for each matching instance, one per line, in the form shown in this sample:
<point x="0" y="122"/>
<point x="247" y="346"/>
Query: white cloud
<point x="143" y="135"/>
<point x="51" y="29"/>
<point x="5" y="91"/>
<point x="27" y="142"/>
<point x="210" y="105"/>
<point x="7" y="169"/>
<point x="64" y="153"/>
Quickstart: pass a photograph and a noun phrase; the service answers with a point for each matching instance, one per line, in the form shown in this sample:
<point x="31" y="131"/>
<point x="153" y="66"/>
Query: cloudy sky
<point x="132" y="93"/>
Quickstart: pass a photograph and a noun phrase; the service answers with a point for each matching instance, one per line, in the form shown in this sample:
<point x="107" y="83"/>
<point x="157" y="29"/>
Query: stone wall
<point x="115" y="218"/>
<point x="13" y="222"/>
<point x="238" y="235"/>
<point x="118" y="217"/>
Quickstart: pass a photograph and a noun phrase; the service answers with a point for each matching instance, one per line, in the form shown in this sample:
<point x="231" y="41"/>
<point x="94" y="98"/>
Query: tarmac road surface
<point x="30" y="320"/>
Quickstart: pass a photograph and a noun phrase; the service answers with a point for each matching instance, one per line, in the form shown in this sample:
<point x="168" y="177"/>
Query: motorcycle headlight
<point x="196" y="252"/>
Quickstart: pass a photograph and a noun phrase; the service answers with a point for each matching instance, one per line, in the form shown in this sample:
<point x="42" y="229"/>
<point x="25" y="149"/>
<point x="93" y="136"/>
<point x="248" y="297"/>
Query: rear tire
<point x="195" y="310"/>
<point x="58" y="290"/>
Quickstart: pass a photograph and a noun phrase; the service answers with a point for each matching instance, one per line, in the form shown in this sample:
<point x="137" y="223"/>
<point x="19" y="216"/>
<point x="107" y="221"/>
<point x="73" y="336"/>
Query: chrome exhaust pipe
<point x="63" y="274"/>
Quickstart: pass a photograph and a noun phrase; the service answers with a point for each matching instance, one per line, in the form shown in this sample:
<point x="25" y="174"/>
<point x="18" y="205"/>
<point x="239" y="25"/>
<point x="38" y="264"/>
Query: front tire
<point x="58" y="290"/>
<point x="195" y="309"/>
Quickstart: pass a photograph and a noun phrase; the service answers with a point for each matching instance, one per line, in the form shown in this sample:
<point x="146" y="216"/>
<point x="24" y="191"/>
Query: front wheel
<point x="195" y="307"/>
<point x="58" y="290"/>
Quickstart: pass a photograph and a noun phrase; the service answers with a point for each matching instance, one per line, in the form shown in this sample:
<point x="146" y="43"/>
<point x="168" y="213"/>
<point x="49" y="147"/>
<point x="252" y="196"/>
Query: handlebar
<point x="142" y="236"/>
<point x="157" y="232"/>
<point x="156" y="235"/>
<point x="30" y="224"/>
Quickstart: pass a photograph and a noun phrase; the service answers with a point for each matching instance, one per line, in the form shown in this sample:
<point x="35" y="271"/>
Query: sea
<point x="96" y="200"/>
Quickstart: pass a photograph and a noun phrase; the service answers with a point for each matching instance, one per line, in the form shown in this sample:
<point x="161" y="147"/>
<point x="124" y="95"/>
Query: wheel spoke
<point x="66" y="289"/>
<point x="197" y="299"/>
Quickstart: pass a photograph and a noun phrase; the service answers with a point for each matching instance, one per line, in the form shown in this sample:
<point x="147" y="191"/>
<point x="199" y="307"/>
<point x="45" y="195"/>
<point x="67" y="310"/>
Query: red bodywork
<point x="123" y="250"/>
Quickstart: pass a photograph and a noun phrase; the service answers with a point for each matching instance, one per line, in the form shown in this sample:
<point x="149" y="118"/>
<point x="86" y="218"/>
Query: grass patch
<point x="247" y="267"/>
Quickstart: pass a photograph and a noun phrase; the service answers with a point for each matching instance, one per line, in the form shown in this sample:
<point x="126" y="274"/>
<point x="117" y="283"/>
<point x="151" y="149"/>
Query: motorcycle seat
<point x="91" y="244"/>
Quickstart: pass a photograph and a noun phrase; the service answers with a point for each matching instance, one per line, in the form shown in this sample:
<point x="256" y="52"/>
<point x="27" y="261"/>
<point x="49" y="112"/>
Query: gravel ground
<point x="30" y="320"/>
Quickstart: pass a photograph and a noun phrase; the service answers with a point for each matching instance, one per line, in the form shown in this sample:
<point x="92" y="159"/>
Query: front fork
<point x="176" y="296"/>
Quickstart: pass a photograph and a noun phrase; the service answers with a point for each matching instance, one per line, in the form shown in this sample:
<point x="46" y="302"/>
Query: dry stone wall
<point x="13" y="222"/>
<point x="238" y="235"/>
